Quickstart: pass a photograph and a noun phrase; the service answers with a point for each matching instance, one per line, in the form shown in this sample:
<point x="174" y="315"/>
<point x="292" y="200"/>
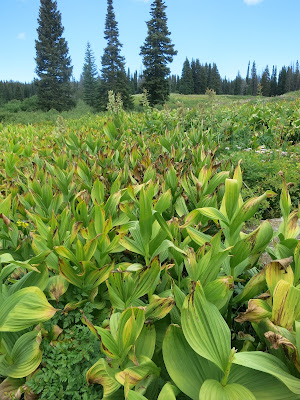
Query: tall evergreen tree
<point x="273" y="84"/>
<point x="197" y="77"/>
<point x="89" y="77"/>
<point x="203" y="79"/>
<point x="53" y="64"/>
<point x="282" y="76"/>
<point x="215" y="79"/>
<point x="157" y="51"/>
<point x="113" y="75"/>
<point x="254" y="80"/>
<point x="297" y="77"/>
<point x="266" y="82"/>
<point x="289" y="84"/>
<point x="186" y="82"/>
<point x="237" y="90"/>
<point x="248" y="81"/>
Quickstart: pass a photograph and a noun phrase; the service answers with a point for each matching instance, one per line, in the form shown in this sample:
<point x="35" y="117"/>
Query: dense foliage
<point x="157" y="52"/>
<point x="53" y="63"/>
<point x="113" y="75"/>
<point x="89" y="78"/>
<point x="126" y="269"/>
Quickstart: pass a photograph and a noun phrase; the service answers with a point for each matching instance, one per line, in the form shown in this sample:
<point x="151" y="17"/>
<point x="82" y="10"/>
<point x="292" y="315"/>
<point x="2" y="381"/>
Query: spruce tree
<point x="297" y="77"/>
<point x="197" y="77"/>
<point x="89" y="77"/>
<point x="186" y="82"/>
<point x="254" y="80"/>
<point x="273" y="85"/>
<point x="53" y="64"/>
<point x="215" y="79"/>
<point x="266" y="82"/>
<point x="248" y="81"/>
<point x="157" y="52"/>
<point x="113" y="75"/>
<point x="203" y="79"/>
<point x="238" y="85"/>
<point x="282" y="77"/>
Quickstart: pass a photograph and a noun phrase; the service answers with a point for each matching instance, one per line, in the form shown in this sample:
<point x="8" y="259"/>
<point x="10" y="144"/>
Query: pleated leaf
<point x="205" y="329"/>
<point x="102" y="374"/>
<point x="23" y="309"/>
<point x="269" y="364"/>
<point x="214" y="390"/>
<point x="25" y="357"/>
<point x="186" y="368"/>
<point x="168" y="392"/>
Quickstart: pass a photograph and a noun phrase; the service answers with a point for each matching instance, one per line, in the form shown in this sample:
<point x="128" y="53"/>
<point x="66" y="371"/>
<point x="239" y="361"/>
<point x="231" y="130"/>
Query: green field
<point x="126" y="272"/>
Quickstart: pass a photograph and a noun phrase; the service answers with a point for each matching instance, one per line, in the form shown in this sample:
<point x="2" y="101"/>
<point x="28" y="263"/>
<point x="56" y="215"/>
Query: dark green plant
<point x="66" y="360"/>
<point x="157" y="53"/>
<point x="89" y="77"/>
<point x="53" y="63"/>
<point x="113" y="75"/>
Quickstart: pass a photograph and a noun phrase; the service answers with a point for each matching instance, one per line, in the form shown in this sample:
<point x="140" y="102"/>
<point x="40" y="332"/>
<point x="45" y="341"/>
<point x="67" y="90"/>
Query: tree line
<point x="54" y="87"/>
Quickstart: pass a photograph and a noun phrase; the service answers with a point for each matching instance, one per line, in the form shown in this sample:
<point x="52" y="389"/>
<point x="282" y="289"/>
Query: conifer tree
<point x="203" y="79"/>
<point x="215" y="79"/>
<point x="282" y="76"/>
<point x="273" y="84"/>
<point x="89" y="77"/>
<point x="266" y="82"/>
<point x="254" y="80"/>
<point x="186" y="82"/>
<point x="297" y="77"/>
<point x="53" y="64"/>
<point x="113" y="75"/>
<point x="238" y="85"/>
<point x="248" y="81"/>
<point x="157" y="51"/>
<point x="197" y="77"/>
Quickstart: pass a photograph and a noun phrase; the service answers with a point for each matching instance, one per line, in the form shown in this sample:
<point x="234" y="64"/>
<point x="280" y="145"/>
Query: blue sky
<point x="227" y="32"/>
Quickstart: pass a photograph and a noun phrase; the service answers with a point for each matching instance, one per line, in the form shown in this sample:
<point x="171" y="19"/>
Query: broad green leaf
<point x="165" y="245"/>
<point x="5" y="205"/>
<point x="130" y="326"/>
<point x="168" y="392"/>
<point x="231" y="197"/>
<point x="214" y="390"/>
<point x="205" y="329"/>
<point x="198" y="237"/>
<point x="164" y="202"/>
<point x="146" y="218"/>
<point x="102" y="374"/>
<point x="39" y="279"/>
<point x="186" y="368"/>
<point x="297" y="263"/>
<point x="132" y="246"/>
<point x="269" y="364"/>
<point x="262" y="385"/>
<point x="25" y="357"/>
<point x="23" y="309"/>
<point x="255" y="286"/>
<point x="218" y="291"/>
<point x="135" y="396"/>
<point x="136" y="373"/>
<point x="145" y="344"/>
<point x="159" y="307"/>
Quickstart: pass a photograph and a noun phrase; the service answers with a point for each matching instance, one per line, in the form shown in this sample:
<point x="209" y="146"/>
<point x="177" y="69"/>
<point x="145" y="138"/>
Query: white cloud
<point x="252" y="2"/>
<point x="21" y="36"/>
